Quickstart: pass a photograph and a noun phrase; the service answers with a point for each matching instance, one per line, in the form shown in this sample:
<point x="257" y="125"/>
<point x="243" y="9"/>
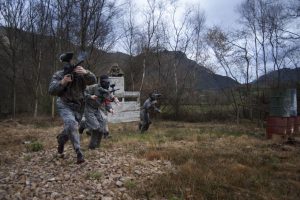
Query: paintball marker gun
<point x="104" y="96"/>
<point x="155" y="95"/>
<point x="68" y="67"/>
<point x="113" y="89"/>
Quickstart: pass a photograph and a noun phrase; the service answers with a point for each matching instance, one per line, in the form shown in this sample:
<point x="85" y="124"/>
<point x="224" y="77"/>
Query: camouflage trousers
<point x="70" y="115"/>
<point x="95" y="122"/>
<point x="105" y="121"/>
<point x="145" y="121"/>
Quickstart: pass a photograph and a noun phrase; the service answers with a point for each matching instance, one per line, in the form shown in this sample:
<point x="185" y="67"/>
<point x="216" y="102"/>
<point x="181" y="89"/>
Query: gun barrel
<point x="79" y="63"/>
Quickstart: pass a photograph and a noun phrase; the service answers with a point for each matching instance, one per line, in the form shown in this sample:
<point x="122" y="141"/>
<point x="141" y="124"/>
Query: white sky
<point x="218" y="12"/>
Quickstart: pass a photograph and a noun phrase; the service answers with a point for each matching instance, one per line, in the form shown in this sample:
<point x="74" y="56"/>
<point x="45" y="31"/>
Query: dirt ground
<point x="169" y="162"/>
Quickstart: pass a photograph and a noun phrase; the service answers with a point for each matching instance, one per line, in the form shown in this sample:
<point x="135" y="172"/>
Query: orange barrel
<point x="276" y="125"/>
<point x="290" y="127"/>
<point x="297" y="125"/>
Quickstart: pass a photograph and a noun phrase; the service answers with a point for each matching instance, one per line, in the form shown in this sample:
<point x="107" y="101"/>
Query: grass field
<point x="217" y="161"/>
<point x="210" y="160"/>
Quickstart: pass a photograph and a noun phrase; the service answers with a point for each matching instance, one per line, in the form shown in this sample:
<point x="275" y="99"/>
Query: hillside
<point x="205" y="79"/>
<point x="284" y="76"/>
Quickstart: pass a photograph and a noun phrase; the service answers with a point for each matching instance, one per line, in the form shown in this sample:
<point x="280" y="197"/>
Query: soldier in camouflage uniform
<point x="144" y="114"/>
<point x="70" y="102"/>
<point x="97" y="96"/>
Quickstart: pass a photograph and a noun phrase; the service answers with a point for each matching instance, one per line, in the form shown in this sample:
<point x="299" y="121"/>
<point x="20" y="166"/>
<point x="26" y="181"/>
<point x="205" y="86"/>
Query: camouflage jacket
<point x="73" y="92"/>
<point x="104" y="97"/>
<point x="148" y="104"/>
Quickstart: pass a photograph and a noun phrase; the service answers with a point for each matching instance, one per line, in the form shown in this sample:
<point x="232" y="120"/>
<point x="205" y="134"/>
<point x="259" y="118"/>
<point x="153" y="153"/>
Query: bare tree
<point x="60" y="31"/>
<point x="248" y="13"/>
<point x="37" y="26"/>
<point x="12" y="14"/>
<point x="223" y="50"/>
<point x="282" y="43"/>
<point x="95" y="27"/>
<point x="178" y="37"/>
<point x="129" y="41"/>
<point x="199" y="47"/>
<point x="152" y="13"/>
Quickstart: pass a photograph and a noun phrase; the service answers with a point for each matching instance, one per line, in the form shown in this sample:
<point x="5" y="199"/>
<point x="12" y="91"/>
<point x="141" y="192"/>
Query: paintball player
<point x="105" y="109"/>
<point x="69" y="85"/>
<point x="96" y="96"/>
<point x="144" y="114"/>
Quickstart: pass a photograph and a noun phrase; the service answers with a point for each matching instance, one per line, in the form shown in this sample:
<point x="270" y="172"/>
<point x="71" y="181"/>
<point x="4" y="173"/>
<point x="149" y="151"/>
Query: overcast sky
<point x="218" y="12"/>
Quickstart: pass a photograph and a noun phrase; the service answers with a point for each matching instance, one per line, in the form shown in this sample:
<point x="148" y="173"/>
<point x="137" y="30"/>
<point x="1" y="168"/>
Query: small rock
<point x="51" y="179"/>
<point x="126" y="197"/>
<point x="138" y="172"/>
<point x="123" y="179"/>
<point x="122" y="189"/>
<point x="106" y="182"/>
<point x="27" y="182"/>
<point x="99" y="186"/>
<point x="18" y="195"/>
<point x="67" y="177"/>
<point x="107" y="198"/>
<point x="119" y="183"/>
<point x="54" y="195"/>
<point x="33" y="186"/>
<point x="111" y="193"/>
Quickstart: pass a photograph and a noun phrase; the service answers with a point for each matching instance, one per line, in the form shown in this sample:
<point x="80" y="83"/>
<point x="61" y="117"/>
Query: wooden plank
<point x="125" y="112"/>
<point x="131" y="94"/>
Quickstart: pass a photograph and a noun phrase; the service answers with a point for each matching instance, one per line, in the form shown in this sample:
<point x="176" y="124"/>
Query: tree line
<point x="35" y="32"/>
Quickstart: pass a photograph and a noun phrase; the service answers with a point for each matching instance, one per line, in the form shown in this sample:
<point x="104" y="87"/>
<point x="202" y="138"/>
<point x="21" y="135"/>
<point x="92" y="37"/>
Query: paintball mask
<point x="154" y="96"/>
<point x="104" y="81"/>
<point x="66" y="57"/>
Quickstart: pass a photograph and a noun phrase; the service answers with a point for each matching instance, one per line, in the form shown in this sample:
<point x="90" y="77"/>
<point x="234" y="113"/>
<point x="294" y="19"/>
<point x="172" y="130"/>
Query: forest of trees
<point x="34" y="32"/>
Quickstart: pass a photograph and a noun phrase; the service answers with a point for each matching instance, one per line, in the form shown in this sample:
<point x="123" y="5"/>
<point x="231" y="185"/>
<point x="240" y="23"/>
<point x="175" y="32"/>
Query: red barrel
<point x="276" y="125"/>
<point x="290" y="127"/>
<point x="297" y="125"/>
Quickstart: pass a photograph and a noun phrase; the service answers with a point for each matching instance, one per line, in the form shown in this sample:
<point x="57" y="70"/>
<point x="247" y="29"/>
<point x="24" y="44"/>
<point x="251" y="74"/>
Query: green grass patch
<point x="222" y="163"/>
<point x="130" y="184"/>
<point x="34" y="146"/>
<point x="94" y="175"/>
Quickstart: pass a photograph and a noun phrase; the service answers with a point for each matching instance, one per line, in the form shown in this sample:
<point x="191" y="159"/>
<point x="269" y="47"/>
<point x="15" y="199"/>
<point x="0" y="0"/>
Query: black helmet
<point x="66" y="57"/>
<point x="154" y="96"/>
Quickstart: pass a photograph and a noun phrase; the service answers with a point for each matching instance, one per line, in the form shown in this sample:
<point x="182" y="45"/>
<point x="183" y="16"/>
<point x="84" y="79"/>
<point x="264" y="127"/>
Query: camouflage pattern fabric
<point x="70" y="116"/>
<point x="70" y="104"/>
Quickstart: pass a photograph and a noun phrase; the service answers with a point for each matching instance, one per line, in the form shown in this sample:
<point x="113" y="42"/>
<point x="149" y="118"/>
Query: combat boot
<point x="80" y="157"/>
<point x="60" y="148"/>
<point x="61" y="143"/>
<point x="81" y="129"/>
